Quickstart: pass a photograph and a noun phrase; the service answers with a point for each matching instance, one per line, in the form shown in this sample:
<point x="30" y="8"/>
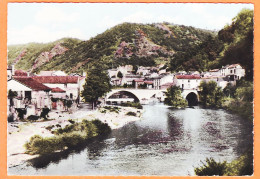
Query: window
<point x="231" y="71"/>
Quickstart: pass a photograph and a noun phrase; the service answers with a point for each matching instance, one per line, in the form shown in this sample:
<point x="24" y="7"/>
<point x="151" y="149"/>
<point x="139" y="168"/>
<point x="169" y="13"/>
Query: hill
<point x="127" y="43"/>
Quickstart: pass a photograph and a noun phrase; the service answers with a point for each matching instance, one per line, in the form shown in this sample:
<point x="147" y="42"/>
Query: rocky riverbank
<point x="20" y="132"/>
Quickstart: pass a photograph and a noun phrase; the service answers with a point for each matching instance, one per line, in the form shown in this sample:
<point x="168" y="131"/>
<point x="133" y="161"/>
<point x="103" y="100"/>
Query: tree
<point x="97" y="83"/>
<point x="210" y="94"/>
<point x="230" y="90"/>
<point x="174" y="98"/>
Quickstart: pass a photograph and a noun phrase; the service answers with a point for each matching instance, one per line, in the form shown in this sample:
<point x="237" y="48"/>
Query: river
<point x="166" y="142"/>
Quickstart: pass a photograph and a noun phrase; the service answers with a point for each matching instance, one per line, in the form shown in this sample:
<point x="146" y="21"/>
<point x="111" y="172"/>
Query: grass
<point x="70" y="136"/>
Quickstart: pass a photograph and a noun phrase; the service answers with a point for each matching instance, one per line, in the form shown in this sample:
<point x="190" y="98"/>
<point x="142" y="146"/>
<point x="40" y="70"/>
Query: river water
<point x="166" y="142"/>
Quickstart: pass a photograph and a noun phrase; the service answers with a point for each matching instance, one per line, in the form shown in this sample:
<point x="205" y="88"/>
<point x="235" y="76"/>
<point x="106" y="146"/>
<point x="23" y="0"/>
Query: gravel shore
<point x="20" y="132"/>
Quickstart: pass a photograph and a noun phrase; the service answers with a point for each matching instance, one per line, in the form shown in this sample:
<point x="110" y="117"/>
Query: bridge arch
<point x="120" y="96"/>
<point x="192" y="99"/>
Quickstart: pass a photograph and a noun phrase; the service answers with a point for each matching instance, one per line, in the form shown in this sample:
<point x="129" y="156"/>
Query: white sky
<point x="46" y="22"/>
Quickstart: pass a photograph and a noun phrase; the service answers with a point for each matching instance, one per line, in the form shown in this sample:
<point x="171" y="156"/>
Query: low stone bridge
<point x="144" y="95"/>
<point x="141" y="95"/>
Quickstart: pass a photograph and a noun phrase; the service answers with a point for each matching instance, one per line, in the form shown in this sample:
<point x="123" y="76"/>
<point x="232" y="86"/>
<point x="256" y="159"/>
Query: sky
<point x="47" y="22"/>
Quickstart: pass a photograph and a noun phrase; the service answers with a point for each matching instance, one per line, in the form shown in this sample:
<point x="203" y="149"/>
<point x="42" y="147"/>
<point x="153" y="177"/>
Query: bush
<point x="131" y="113"/>
<point x="211" y="168"/>
<point x="111" y="109"/>
<point x="68" y="137"/>
<point x="131" y="104"/>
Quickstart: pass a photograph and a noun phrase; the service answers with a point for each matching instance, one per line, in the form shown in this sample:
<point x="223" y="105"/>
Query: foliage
<point x="12" y="94"/>
<point x="238" y="39"/>
<point x="68" y="137"/>
<point x="132" y="104"/>
<point x="211" y="167"/>
<point x="229" y="90"/>
<point x="83" y="54"/>
<point x="96" y="85"/>
<point x="210" y="94"/>
<point x="110" y="109"/>
<point x="242" y="101"/>
<point x="174" y="98"/>
<point x="130" y="113"/>
<point x="200" y="57"/>
<point x="239" y="167"/>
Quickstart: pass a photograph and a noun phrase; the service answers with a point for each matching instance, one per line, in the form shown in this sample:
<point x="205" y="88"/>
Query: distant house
<point x="215" y="72"/>
<point x="160" y="81"/>
<point x="234" y="71"/>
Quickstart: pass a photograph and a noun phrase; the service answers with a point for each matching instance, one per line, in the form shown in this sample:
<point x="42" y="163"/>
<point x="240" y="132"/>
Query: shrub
<point x="131" y="104"/>
<point x="211" y="168"/>
<point x="131" y="113"/>
<point x="70" y="136"/>
<point x="71" y="121"/>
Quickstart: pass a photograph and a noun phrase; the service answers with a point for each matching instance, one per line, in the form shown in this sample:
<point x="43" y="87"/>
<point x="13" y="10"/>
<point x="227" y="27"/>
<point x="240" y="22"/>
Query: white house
<point x="234" y="71"/>
<point x="187" y="81"/>
<point x="27" y="95"/>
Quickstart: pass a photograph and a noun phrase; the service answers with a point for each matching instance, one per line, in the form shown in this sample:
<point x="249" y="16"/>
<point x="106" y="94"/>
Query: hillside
<point x="233" y="44"/>
<point x="32" y="55"/>
<point x="127" y="43"/>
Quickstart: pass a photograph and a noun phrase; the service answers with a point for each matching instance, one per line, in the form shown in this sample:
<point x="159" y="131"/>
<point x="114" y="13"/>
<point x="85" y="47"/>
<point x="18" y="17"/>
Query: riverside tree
<point x="97" y="83"/>
<point x="174" y="98"/>
<point x="210" y="94"/>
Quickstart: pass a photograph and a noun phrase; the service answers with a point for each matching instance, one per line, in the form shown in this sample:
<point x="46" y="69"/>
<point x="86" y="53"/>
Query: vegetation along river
<point x="166" y="142"/>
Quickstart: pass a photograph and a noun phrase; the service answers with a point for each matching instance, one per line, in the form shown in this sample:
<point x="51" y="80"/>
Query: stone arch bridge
<point x="144" y="95"/>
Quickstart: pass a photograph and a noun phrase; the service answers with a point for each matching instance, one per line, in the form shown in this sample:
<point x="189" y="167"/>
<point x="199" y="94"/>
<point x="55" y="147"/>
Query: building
<point x="73" y="85"/>
<point x="188" y="81"/>
<point x="27" y="96"/>
<point x="234" y="72"/>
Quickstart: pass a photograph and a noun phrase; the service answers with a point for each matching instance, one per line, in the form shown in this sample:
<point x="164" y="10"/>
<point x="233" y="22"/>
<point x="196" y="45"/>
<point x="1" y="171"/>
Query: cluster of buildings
<point x="30" y="94"/>
<point x="159" y="78"/>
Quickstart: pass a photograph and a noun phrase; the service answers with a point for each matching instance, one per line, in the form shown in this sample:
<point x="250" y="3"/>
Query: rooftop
<point x="31" y="83"/>
<point x="57" y="79"/>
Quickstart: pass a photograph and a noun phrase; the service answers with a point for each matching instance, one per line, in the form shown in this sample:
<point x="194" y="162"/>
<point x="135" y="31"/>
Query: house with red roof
<point x="72" y="85"/>
<point x="28" y="93"/>
<point x="187" y="81"/>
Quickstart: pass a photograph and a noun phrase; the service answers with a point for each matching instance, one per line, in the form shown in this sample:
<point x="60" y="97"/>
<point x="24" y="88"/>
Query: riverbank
<point x="20" y="132"/>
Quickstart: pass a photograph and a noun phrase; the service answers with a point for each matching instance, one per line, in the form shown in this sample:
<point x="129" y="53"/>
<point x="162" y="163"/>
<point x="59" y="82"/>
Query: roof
<point x="56" y="79"/>
<point x="233" y="66"/>
<point x="187" y="76"/>
<point x="148" y="82"/>
<point x="57" y="90"/>
<point x="20" y="73"/>
<point x="30" y="83"/>
<point x="168" y="84"/>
